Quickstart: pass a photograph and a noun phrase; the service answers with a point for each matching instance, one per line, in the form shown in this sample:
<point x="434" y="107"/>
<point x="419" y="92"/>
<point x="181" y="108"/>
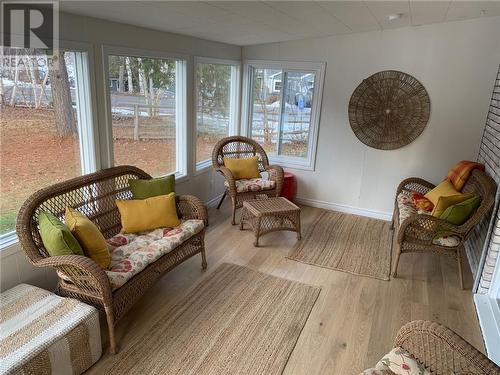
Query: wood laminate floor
<point x="354" y="320"/>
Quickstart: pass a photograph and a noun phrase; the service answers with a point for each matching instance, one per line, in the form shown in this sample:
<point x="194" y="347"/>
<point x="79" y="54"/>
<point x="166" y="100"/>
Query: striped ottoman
<point x="41" y="333"/>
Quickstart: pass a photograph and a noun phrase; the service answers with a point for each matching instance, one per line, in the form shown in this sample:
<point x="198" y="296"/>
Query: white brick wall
<point x="489" y="155"/>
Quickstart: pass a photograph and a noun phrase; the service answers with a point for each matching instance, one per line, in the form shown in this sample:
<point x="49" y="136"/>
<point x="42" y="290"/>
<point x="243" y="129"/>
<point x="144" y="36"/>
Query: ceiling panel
<point x="253" y="22"/>
<point x="383" y="9"/>
<point x="354" y="14"/>
<point x="424" y="12"/>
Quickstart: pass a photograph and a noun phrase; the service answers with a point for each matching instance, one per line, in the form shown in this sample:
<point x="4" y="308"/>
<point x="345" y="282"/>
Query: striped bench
<point x="43" y="333"/>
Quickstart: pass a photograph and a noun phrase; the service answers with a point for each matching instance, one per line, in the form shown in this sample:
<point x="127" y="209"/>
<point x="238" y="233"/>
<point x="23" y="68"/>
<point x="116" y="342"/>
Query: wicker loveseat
<point x="420" y="232"/>
<point x="80" y="277"/>
<point x="239" y="147"/>
<point x="442" y="351"/>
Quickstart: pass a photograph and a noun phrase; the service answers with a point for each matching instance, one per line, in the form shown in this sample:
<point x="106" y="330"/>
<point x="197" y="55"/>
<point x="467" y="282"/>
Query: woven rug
<point x="237" y="321"/>
<point x="348" y="243"/>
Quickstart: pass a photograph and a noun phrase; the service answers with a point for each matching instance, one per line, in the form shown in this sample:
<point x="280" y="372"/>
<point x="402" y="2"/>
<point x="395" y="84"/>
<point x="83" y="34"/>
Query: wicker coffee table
<point x="270" y="215"/>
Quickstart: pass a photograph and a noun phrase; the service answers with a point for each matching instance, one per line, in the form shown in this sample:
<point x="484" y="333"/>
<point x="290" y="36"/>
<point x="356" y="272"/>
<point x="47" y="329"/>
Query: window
<point x="282" y="105"/>
<point x="216" y="95"/>
<point x="147" y="96"/>
<point x="46" y="131"/>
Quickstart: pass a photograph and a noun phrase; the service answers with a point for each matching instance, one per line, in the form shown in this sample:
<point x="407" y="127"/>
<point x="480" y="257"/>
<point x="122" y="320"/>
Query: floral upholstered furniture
<point x="137" y="260"/>
<point x="240" y="190"/>
<point x="418" y="231"/>
<point x="428" y="348"/>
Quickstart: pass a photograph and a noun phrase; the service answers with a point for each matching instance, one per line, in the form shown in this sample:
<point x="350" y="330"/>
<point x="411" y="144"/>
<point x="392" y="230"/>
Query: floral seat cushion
<point x="398" y="362"/>
<point x="131" y="253"/>
<point x="253" y="184"/>
<point x="406" y="208"/>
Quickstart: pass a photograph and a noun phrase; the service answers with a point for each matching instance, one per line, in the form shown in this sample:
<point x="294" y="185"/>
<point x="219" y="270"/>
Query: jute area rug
<point x="237" y="321"/>
<point x="348" y="243"/>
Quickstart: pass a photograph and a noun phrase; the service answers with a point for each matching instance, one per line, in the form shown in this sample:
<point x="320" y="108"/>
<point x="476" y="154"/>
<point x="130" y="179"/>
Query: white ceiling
<point x="255" y="22"/>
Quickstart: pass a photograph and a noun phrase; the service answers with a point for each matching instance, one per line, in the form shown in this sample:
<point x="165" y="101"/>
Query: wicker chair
<point x="442" y="351"/>
<point x="416" y="233"/>
<point x="80" y="277"/>
<point x="242" y="147"/>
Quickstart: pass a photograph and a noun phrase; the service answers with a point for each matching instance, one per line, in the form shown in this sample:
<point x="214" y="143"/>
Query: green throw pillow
<point x="459" y="213"/>
<point x="56" y="237"/>
<point x="143" y="189"/>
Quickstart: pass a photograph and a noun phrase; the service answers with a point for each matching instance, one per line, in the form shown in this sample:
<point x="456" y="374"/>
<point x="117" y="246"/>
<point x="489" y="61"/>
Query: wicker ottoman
<point x="270" y="215"/>
<point x="41" y="333"/>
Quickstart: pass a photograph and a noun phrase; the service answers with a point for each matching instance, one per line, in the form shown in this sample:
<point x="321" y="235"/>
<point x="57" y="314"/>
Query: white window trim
<point x="318" y="68"/>
<point x="234" y="102"/>
<point x="181" y="102"/>
<point x="90" y="162"/>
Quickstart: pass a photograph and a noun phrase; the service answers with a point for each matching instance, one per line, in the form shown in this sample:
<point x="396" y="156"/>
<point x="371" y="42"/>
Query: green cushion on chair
<point x="459" y="213"/>
<point x="56" y="237"/>
<point x="143" y="189"/>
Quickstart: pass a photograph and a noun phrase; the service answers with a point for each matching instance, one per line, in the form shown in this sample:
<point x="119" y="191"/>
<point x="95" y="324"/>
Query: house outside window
<point x="281" y="109"/>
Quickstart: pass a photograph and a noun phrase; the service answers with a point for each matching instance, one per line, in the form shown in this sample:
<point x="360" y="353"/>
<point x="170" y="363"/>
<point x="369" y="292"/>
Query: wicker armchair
<point x="417" y="232"/>
<point x="442" y="351"/>
<point x="80" y="277"/>
<point x="242" y="147"/>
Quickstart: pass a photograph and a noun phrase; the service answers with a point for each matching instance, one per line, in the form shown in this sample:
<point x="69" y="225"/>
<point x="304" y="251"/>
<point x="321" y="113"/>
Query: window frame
<point x="181" y="102"/>
<point x="234" y="103"/>
<point x="88" y="136"/>
<point x="318" y="68"/>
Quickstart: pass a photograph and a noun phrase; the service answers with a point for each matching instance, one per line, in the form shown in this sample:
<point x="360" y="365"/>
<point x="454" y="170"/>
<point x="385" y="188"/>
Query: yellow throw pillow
<point x="243" y="168"/>
<point x="139" y="215"/>
<point x="88" y="235"/>
<point x="444" y="189"/>
<point x="444" y="202"/>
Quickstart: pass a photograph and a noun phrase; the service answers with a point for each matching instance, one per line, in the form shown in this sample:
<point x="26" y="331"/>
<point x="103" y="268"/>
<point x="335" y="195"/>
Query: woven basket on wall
<point x="389" y="110"/>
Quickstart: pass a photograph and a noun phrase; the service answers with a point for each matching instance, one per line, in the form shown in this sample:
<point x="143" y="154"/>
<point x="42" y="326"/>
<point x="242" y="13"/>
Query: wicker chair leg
<point x="398" y="255"/>
<point x="203" y="259"/>
<point x="460" y="270"/>
<point x="111" y="329"/>
<point x="222" y="199"/>
<point x="233" y="220"/>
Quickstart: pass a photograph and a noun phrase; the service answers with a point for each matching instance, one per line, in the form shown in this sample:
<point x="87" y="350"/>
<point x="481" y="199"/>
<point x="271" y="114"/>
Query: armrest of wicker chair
<point x="442" y="351"/>
<point x="424" y="228"/>
<point x="228" y="176"/>
<point x="415" y="184"/>
<point x="276" y="174"/>
<point x="83" y="272"/>
<point x="191" y="207"/>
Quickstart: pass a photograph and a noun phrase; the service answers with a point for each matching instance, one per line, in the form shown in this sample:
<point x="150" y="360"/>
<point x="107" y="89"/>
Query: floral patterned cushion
<point x="131" y="253"/>
<point x="407" y="207"/>
<point x="398" y="362"/>
<point x="253" y="184"/>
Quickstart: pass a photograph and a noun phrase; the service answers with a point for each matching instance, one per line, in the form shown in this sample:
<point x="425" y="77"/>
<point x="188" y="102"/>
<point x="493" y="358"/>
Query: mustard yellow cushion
<point x="243" y="168"/>
<point x="444" y="189"/>
<point x="139" y="215"/>
<point x="88" y="235"/>
<point x="444" y="202"/>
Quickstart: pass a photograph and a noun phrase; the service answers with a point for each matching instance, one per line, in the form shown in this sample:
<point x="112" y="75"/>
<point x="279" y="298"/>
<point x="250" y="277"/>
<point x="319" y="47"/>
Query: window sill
<point x="203" y="167"/>
<point x="9" y="244"/>
<point x="292" y="163"/>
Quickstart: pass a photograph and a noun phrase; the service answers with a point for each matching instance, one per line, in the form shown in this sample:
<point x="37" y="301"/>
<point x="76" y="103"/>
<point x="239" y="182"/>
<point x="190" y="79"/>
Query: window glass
<point x="39" y="125"/>
<point x="143" y="93"/>
<point x="213" y="106"/>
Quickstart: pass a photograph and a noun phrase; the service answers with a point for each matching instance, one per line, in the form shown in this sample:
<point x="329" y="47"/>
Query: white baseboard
<point x="214" y="201"/>
<point x="345" y="208"/>
<point x="488" y="313"/>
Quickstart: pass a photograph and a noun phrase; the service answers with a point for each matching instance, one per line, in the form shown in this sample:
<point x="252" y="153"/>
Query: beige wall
<point x="457" y="64"/>
<point x="96" y="33"/>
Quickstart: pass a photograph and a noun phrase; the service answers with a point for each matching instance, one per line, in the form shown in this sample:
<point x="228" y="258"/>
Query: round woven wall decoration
<point x="389" y="110"/>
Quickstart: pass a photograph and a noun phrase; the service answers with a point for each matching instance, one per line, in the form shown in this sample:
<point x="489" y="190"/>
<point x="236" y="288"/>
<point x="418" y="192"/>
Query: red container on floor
<point x="289" y="190"/>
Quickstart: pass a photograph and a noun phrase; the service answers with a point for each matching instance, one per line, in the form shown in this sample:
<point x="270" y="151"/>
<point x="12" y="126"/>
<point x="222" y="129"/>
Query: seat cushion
<point x="398" y="362"/>
<point x="132" y="252"/>
<point x="253" y="184"/>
